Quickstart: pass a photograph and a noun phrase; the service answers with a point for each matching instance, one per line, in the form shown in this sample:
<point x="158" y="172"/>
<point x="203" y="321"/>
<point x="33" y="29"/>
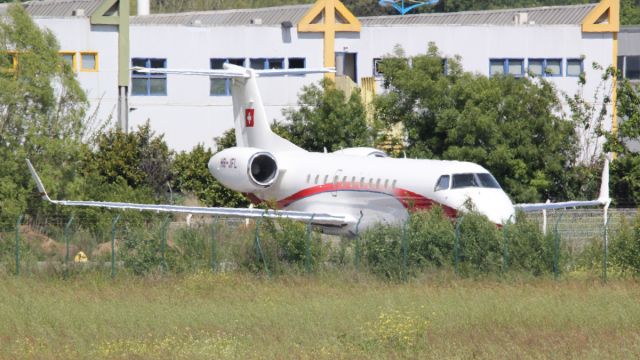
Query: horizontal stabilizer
<point x="231" y="72"/>
<point x="319" y="219"/>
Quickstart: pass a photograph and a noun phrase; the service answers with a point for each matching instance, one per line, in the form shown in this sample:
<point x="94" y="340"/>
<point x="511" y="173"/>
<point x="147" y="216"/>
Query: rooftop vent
<point x="78" y="12"/>
<point x="256" y="21"/>
<point x="521" y="18"/>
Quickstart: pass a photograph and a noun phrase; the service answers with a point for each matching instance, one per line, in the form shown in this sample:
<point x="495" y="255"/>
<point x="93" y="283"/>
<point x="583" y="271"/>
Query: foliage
<point x="326" y="118"/>
<point x="625" y="247"/>
<point x="431" y="239"/>
<point x="42" y="109"/>
<point x="529" y="250"/>
<point x="480" y="250"/>
<point x="509" y="125"/>
<point x="191" y="175"/>
<point x="282" y="248"/>
<point x="625" y="170"/>
<point x="140" y="158"/>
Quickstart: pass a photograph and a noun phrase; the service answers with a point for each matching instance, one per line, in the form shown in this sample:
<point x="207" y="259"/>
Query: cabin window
<point x="386" y="183"/>
<point x="443" y="183"/>
<point x="317" y="178"/>
<point x="353" y="181"/>
<point x="393" y="184"/>
<point x="378" y="184"/>
<point x="362" y="180"/>
<point x="344" y="181"/>
<point x="308" y="178"/>
<point x="326" y="179"/>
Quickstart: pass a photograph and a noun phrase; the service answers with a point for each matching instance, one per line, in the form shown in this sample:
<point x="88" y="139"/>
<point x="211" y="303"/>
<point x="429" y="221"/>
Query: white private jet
<point x="340" y="192"/>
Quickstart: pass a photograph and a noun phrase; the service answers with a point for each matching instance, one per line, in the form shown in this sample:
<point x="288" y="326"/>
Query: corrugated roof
<point x="274" y="16"/>
<point x="57" y="8"/>
<point x="550" y="15"/>
<point x="268" y="17"/>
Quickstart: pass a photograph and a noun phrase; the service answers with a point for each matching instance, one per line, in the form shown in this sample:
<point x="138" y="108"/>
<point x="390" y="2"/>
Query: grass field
<point x="331" y="316"/>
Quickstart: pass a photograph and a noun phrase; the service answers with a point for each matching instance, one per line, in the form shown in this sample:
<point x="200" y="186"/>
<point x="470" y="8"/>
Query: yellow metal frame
<point x="96" y="67"/>
<point x="611" y="8"/>
<point x="14" y="61"/>
<point x="74" y="59"/>
<point x="327" y="10"/>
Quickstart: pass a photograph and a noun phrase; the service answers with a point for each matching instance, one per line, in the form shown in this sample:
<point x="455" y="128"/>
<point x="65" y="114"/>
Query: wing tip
<point x="36" y="178"/>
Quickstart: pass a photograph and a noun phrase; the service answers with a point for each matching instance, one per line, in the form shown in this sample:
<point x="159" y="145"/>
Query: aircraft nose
<point x="496" y="206"/>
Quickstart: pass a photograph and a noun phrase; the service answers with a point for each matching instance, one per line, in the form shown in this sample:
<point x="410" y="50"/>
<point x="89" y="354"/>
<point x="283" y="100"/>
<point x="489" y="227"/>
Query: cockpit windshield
<point x="484" y="180"/>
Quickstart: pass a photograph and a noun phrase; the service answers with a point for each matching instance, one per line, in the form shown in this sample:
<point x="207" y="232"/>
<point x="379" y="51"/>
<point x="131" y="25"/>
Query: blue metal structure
<point x="402" y="9"/>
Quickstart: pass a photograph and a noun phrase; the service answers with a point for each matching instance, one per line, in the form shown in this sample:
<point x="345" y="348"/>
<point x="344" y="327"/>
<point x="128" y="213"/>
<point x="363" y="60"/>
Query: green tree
<point x="42" y="109"/>
<point x="191" y="175"/>
<point x="625" y="170"/>
<point x="509" y="125"/>
<point x="326" y="118"/>
<point x="139" y="158"/>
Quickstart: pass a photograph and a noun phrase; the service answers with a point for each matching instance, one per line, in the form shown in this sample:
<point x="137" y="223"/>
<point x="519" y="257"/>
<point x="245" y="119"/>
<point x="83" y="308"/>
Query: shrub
<point x="625" y="247"/>
<point x="479" y="248"/>
<point x="529" y="249"/>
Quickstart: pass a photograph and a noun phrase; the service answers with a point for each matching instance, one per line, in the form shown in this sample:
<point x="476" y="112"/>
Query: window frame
<point x="581" y="66"/>
<point x="148" y="77"/>
<point x="74" y="59"/>
<point x="546" y="64"/>
<point x="437" y="186"/>
<point x="227" y="86"/>
<point x="96" y="64"/>
<point x="304" y="62"/>
<point x="505" y="67"/>
<point x="14" y="61"/>
<point x="626" y="67"/>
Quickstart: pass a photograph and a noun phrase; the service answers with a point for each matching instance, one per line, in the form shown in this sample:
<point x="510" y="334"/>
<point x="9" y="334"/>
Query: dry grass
<point x="331" y="316"/>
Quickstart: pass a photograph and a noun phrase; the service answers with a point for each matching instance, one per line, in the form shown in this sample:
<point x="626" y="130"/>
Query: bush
<point x="283" y="246"/>
<point x="529" y="249"/>
<point x="625" y="247"/>
<point x="480" y="245"/>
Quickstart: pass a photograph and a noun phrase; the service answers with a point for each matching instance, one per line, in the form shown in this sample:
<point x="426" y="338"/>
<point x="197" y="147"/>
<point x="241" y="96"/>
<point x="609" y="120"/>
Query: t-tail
<point x="249" y="116"/>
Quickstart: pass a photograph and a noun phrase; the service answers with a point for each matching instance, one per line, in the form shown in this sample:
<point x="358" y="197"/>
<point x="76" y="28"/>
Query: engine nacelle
<point x="244" y="169"/>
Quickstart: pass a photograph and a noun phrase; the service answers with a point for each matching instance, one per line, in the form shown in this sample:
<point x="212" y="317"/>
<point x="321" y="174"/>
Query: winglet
<point x="603" y="197"/>
<point x="36" y="178"/>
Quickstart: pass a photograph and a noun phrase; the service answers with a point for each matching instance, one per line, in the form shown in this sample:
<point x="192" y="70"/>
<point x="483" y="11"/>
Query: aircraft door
<point x="336" y="182"/>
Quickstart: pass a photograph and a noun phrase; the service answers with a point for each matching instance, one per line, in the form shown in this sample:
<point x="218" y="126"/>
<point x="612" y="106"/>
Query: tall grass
<point x="330" y="315"/>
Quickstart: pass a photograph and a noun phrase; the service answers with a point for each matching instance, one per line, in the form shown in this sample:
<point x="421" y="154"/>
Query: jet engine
<point x="244" y="169"/>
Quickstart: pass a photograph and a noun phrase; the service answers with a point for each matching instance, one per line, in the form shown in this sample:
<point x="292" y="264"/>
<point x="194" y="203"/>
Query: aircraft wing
<point x="602" y="200"/>
<point x="318" y="219"/>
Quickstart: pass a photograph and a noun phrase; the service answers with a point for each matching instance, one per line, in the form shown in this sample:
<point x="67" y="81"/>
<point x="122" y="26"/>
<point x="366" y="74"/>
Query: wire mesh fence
<point x="124" y="242"/>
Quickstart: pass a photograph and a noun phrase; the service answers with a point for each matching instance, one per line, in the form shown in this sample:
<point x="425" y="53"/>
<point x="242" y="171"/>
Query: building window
<point x="221" y="87"/>
<point x="10" y="64"/>
<point x="88" y="61"/>
<point x="513" y="67"/>
<point x="149" y="84"/>
<point x="376" y="67"/>
<point x="297" y="63"/>
<point x="547" y="67"/>
<point x="632" y="67"/>
<point x="70" y="58"/>
<point x="264" y="63"/>
<point x="574" y="67"/>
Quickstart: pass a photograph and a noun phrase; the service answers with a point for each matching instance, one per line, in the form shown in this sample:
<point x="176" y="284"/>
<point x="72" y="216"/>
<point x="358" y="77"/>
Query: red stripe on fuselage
<point x="410" y="200"/>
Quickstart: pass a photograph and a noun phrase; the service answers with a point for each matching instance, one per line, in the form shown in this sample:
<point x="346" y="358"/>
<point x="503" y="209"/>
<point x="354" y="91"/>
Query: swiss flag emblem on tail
<point x="248" y="117"/>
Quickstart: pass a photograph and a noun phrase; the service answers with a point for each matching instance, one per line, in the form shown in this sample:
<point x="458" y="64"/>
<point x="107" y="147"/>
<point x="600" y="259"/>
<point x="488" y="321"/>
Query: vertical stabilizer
<point x="250" y="117"/>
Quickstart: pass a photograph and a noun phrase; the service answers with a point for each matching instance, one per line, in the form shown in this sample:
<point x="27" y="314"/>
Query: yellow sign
<point x="329" y="17"/>
<point x="81" y="257"/>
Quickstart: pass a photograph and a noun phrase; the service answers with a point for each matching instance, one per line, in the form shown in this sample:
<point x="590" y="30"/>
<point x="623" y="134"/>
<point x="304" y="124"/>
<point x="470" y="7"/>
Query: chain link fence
<point x="126" y="242"/>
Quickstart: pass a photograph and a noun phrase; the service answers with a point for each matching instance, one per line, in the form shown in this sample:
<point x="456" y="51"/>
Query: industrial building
<point x="102" y="42"/>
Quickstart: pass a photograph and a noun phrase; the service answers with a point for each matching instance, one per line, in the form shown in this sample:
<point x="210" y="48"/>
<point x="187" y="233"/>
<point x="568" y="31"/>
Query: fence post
<point x="113" y="246"/>
<point x="456" y="245"/>
<point x="214" y="228"/>
<point x="357" y="254"/>
<point x="308" y="255"/>
<point x="67" y="227"/>
<point x="259" y="247"/>
<point x="556" y="247"/>
<point x="405" y="254"/>
<point x="18" y="244"/>
<point x="163" y="246"/>
<point x="606" y="241"/>
<point x="505" y="255"/>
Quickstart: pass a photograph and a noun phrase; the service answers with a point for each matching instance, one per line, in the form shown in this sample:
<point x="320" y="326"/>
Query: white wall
<point x="188" y="115"/>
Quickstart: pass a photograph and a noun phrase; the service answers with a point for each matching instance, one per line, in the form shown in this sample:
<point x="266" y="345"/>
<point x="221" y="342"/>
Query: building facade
<point x="557" y="43"/>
